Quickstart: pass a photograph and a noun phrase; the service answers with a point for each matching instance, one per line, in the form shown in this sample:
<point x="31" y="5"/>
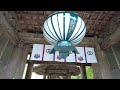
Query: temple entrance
<point x="19" y="30"/>
<point x="50" y="67"/>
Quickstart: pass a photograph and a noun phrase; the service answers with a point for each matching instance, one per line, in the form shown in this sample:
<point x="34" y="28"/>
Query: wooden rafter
<point x="31" y="20"/>
<point x="96" y="20"/>
<point x="107" y="24"/>
<point x="84" y="13"/>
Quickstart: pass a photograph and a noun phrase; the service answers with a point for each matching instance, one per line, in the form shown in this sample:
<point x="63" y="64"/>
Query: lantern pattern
<point x="64" y="30"/>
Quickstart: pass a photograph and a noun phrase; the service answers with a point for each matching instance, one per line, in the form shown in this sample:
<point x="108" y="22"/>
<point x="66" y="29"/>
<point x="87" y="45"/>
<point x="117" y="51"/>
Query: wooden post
<point x="29" y="70"/>
<point x="44" y="76"/>
<point x="48" y="77"/>
<point x="101" y="69"/>
<point x="83" y="71"/>
<point x="52" y="76"/>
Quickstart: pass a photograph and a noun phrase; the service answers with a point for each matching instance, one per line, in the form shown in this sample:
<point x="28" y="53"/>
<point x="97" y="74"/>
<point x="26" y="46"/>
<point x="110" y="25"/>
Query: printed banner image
<point x="80" y="57"/>
<point x="57" y="58"/>
<point x="40" y="52"/>
<point x="90" y="55"/>
<point x="47" y="56"/>
<point x="37" y="52"/>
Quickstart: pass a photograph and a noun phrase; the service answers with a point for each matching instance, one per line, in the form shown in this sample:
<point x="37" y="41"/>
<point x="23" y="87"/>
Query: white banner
<point x="37" y="52"/>
<point x="80" y="57"/>
<point x="71" y="58"/>
<point x="57" y="57"/>
<point x="90" y="55"/>
<point x="41" y="52"/>
<point x="47" y="56"/>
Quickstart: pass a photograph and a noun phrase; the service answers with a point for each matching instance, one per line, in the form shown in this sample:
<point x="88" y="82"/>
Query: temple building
<point x="20" y="31"/>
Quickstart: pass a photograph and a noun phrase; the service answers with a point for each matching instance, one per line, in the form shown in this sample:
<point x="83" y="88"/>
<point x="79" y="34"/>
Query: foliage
<point x="76" y="77"/>
<point x="89" y="73"/>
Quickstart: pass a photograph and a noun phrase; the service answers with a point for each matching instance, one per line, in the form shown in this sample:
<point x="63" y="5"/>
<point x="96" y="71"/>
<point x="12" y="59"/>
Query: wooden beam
<point x="111" y="40"/>
<point x="104" y="19"/>
<point x="56" y="71"/>
<point x="84" y="14"/>
<point x="56" y="63"/>
<point x="31" y="38"/>
<point x="109" y="27"/>
<point x="83" y="71"/>
<point x="1" y="31"/>
<point x="112" y="32"/>
<point x="116" y="58"/>
<point x="31" y="20"/>
<point x="97" y="19"/>
<point x="57" y="74"/>
<point x="29" y="70"/>
<point x="90" y="18"/>
<point x="5" y="46"/>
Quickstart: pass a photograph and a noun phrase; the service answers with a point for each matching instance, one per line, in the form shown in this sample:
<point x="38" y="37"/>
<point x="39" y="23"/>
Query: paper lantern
<point x="64" y="30"/>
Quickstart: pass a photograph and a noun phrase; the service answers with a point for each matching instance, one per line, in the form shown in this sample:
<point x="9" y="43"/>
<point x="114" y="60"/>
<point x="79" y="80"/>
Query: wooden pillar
<point x="83" y="71"/>
<point x="101" y="69"/>
<point x="52" y="76"/>
<point x="15" y="66"/>
<point x="103" y="63"/>
<point x="29" y="70"/>
<point x="48" y="77"/>
<point x="55" y="77"/>
<point x="44" y="76"/>
<point x="116" y="52"/>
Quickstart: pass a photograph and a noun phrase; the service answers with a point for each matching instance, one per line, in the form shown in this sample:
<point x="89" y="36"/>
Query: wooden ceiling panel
<point x="31" y="21"/>
<point x="94" y="17"/>
<point x="27" y="22"/>
<point x="87" y="16"/>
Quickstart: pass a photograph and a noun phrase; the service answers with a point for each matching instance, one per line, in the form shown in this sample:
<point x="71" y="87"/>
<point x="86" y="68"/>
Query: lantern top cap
<point x="57" y="12"/>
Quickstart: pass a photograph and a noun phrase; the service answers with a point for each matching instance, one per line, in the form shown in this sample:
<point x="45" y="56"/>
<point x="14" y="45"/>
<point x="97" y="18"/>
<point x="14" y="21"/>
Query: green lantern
<point x="64" y="30"/>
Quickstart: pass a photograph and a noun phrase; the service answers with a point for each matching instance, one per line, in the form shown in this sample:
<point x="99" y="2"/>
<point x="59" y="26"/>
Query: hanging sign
<point x="80" y="57"/>
<point x="40" y="52"/>
<point x="37" y="52"/>
<point x="47" y="56"/>
<point x="90" y="55"/>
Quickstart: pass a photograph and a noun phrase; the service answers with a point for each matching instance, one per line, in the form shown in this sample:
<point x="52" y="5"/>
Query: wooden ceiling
<point x="31" y="21"/>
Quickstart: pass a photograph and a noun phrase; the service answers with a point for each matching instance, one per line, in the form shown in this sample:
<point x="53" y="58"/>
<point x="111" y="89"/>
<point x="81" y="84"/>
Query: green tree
<point x="89" y="73"/>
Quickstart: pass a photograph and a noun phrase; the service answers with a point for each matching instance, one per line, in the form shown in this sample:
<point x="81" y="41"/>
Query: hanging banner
<point x="71" y="57"/>
<point x="47" y="56"/>
<point x="57" y="58"/>
<point x="80" y="57"/>
<point x="37" y="52"/>
<point x="90" y="55"/>
<point x="40" y="52"/>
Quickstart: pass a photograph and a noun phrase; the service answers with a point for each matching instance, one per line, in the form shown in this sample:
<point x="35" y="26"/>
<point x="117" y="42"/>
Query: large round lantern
<point x="64" y="30"/>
